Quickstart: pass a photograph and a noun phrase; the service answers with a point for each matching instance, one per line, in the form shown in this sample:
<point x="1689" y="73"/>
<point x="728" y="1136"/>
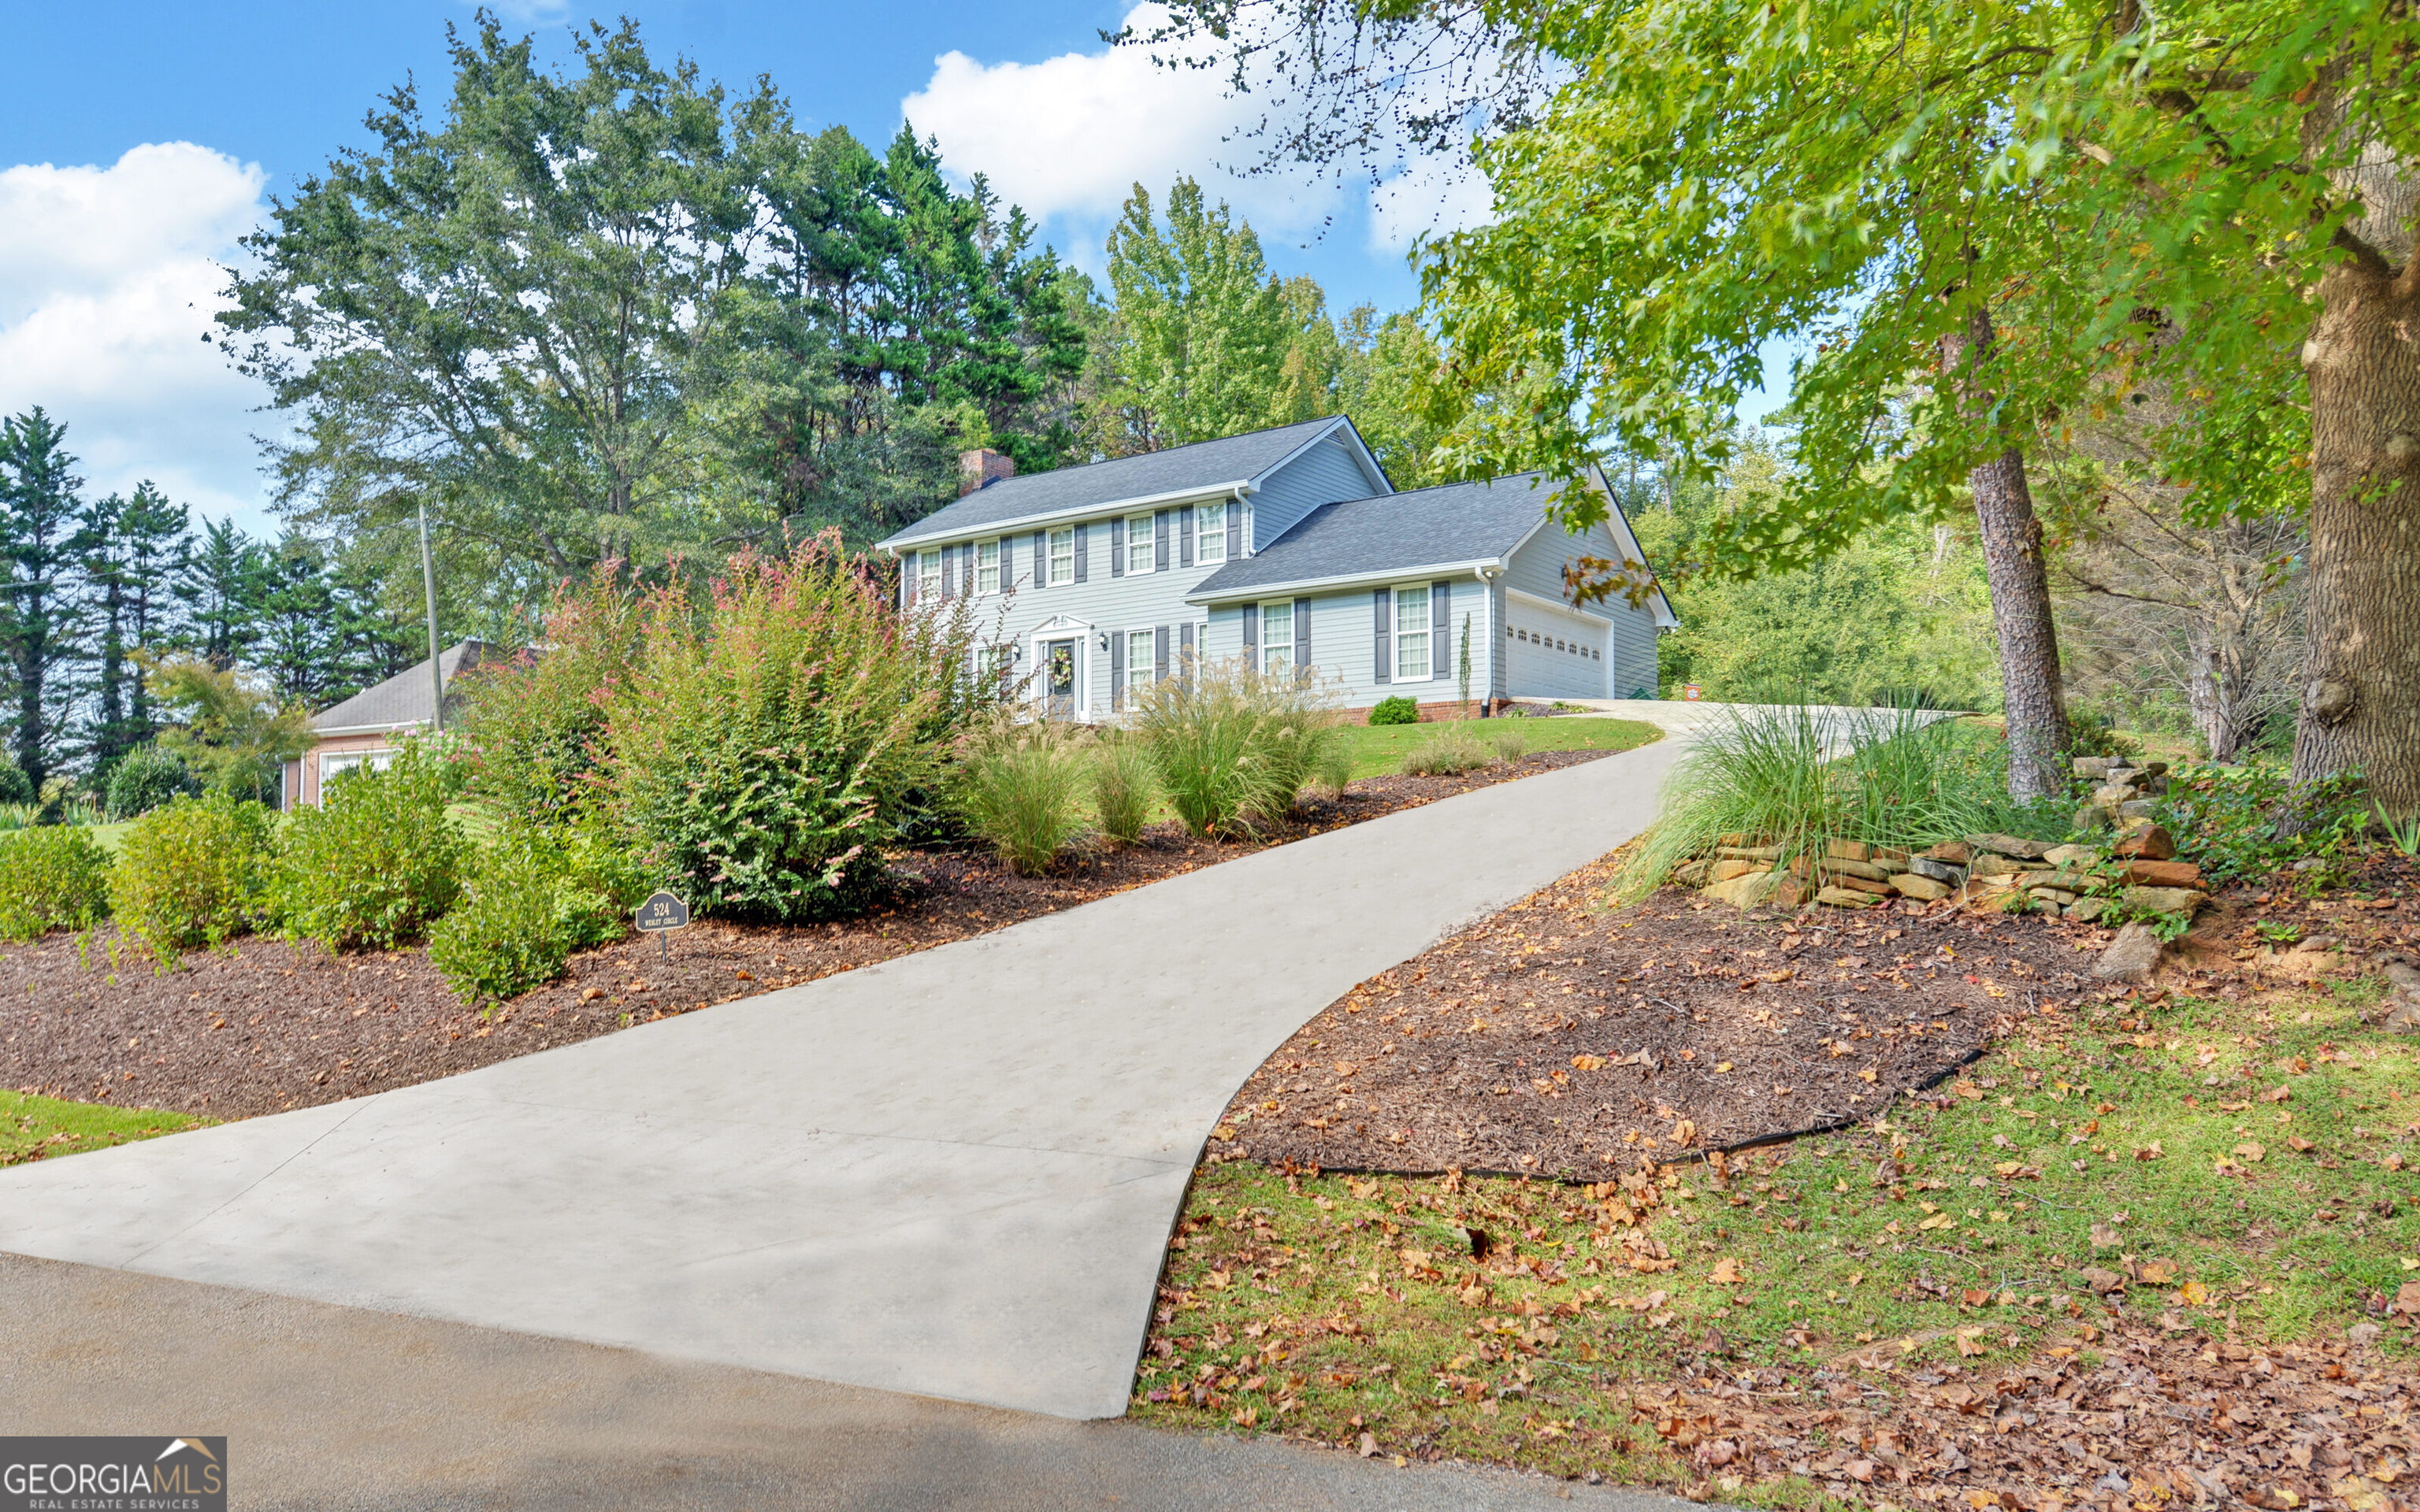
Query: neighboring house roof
<point x="1453" y="525"/>
<point x="404" y="700"/>
<point x="1179" y="472"/>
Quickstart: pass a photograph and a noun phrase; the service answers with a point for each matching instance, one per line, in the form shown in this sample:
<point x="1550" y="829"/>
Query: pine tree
<point x="41" y="542"/>
<point x="104" y="574"/>
<point x="221" y="585"/>
<point x="155" y="538"/>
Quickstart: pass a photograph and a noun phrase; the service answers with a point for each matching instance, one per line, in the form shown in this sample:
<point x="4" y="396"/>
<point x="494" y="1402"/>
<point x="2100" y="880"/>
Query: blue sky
<point x="137" y="141"/>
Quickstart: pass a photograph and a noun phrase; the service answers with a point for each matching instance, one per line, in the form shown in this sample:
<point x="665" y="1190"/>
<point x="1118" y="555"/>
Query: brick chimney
<point x="981" y="468"/>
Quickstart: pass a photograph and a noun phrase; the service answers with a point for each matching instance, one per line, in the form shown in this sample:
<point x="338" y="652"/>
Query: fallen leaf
<point x="2252" y="1150"/>
<point x="2104" y="1236"/>
<point x="2150" y="1151"/>
<point x="1727" y="1272"/>
<point x="2193" y="1294"/>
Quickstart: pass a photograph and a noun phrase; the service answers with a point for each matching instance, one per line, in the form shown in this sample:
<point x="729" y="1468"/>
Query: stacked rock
<point x="2122" y="790"/>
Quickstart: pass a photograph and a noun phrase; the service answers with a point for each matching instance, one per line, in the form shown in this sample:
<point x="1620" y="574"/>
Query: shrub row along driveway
<point x="953" y="1173"/>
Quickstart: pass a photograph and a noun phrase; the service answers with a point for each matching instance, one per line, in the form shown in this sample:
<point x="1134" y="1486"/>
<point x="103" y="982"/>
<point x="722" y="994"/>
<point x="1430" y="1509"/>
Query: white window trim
<point x="1051" y="555"/>
<point x="1141" y="535"/>
<point x="1427" y="632"/>
<point x="1138" y="672"/>
<point x="1293" y="631"/>
<point x="1203" y="533"/>
<point x="999" y="560"/>
<point x="928" y="576"/>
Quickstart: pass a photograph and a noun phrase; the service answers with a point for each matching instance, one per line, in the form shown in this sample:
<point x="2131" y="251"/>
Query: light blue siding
<point x="1538" y="569"/>
<point x="1343" y="643"/>
<point x="1321" y="475"/>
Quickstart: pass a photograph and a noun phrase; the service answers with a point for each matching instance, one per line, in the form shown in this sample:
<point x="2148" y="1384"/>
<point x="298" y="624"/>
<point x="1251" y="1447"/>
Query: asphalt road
<point x="341" y="1409"/>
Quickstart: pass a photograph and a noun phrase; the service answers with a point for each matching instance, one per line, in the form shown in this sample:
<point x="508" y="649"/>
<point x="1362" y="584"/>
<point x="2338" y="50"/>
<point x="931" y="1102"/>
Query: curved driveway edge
<point x="950" y="1174"/>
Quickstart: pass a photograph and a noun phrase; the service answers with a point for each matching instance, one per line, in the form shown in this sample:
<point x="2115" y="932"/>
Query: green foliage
<point x="1124" y="787"/>
<point x="2242" y="823"/>
<point x="1233" y="748"/>
<point x="52" y="876"/>
<point x="1335" y="770"/>
<point x="1511" y="741"/>
<point x="379" y="861"/>
<point x="1452" y="751"/>
<point x="1395" y="709"/>
<point x="772" y="744"/>
<point x="534" y="724"/>
<point x="15" y="786"/>
<point x="239" y="733"/>
<point x="1786" y="775"/>
<point x="2092" y="736"/>
<point x="1021" y="787"/>
<point x="194" y="873"/>
<point x="535" y="896"/>
<point x="145" y="778"/>
<point x="2403" y="834"/>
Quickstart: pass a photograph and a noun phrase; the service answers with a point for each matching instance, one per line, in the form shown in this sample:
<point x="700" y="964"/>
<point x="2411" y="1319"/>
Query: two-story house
<point x="1289" y="547"/>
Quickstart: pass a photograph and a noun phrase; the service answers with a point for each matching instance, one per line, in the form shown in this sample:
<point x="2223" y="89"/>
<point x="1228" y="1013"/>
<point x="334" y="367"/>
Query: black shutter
<point x="949" y="570"/>
<point x="1252" y="636"/>
<point x="1041" y="558"/>
<point x="1159" y="540"/>
<point x="1440" y="629"/>
<point x="1185" y="535"/>
<point x="911" y="582"/>
<point x="1083" y="553"/>
<point x="1235" y="529"/>
<point x="1118" y="546"/>
<point x="1160" y="654"/>
<point x="1117" y="668"/>
<point x="1302" y="632"/>
<point x="1383" y="665"/>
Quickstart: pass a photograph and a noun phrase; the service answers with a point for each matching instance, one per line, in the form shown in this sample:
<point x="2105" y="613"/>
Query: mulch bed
<point x="1560" y="1038"/>
<point x="268" y="1024"/>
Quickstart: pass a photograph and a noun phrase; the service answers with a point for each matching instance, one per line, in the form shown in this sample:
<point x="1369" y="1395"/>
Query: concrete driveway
<point x="952" y="1174"/>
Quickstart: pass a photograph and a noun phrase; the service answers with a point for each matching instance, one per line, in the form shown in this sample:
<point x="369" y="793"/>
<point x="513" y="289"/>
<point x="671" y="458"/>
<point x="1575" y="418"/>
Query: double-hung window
<point x="1412" y="634"/>
<point x="1141" y="547"/>
<point x="1141" y="665"/>
<point x="1063" y="556"/>
<point x="1277" y="636"/>
<point x="987" y="568"/>
<point x="1210" y="535"/>
<point x="928" y="573"/>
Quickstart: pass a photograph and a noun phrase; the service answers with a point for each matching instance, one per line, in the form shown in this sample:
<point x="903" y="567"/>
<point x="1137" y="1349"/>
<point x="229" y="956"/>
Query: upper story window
<point x="1063" y="556"/>
<point x="1276" y="636"/>
<point x="1210" y="538"/>
<point x="928" y="574"/>
<point x="987" y="568"/>
<point x="1142" y="543"/>
<point x="1412" y="634"/>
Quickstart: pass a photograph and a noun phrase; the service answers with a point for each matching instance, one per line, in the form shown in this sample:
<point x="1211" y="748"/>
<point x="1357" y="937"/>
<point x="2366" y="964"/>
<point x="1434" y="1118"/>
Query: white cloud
<point x="108" y="280"/>
<point x="1069" y="137"/>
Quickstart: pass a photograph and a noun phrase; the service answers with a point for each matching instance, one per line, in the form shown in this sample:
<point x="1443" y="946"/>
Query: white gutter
<point x="1239" y="489"/>
<point x="1480" y="568"/>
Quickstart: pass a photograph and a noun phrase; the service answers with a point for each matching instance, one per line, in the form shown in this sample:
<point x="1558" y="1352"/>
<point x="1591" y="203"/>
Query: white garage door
<point x="1554" y="654"/>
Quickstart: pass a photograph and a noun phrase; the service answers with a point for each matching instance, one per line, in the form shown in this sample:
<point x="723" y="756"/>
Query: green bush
<point x="15" y="786"/>
<point x="147" y="777"/>
<point x="1123" y="788"/>
<point x="1449" y="753"/>
<point x="535" y="895"/>
<point x="1395" y="710"/>
<point x="52" y="876"/>
<point x="770" y="747"/>
<point x="193" y="873"/>
<point x="378" y="862"/>
<point x="1020" y="788"/>
<point x="1234" y="748"/>
<point x="534" y="726"/>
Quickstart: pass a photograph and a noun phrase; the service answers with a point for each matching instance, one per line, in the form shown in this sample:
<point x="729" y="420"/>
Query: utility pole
<point x="428" y="586"/>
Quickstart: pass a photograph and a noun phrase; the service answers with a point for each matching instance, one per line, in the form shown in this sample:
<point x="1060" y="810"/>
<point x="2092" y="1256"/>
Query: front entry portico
<point x="1060" y="683"/>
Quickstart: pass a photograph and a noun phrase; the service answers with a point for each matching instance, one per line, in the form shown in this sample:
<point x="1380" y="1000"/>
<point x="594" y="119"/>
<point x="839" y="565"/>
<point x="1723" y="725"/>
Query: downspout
<point x="1487" y="577"/>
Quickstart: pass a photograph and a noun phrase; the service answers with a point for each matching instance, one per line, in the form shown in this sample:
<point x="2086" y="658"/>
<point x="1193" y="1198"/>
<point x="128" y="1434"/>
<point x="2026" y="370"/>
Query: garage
<point x="1553" y="653"/>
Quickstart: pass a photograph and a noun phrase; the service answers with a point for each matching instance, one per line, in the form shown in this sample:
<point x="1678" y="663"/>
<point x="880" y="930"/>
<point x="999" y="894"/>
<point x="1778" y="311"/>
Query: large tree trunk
<point x="2361" y="688"/>
<point x="2031" y="690"/>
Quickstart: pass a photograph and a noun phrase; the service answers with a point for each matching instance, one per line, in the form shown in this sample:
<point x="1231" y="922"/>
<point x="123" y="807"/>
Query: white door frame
<point x="1060" y="627"/>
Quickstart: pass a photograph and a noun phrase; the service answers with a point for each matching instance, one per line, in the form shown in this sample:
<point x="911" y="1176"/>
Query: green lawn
<point x="37" y="1128"/>
<point x="2246" y="1166"/>
<point x="1379" y="750"/>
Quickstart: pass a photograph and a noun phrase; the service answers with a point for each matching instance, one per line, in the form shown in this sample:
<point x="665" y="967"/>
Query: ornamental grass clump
<point x="1233" y="749"/>
<point x="379" y="861"/>
<point x="1791" y="779"/>
<point x="1124" y="786"/>
<point x="193" y="875"/>
<point x="770" y="745"/>
<point x="1022" y="788"/>
<point x="1452" y="751"/>
<point x="52" y="876"/>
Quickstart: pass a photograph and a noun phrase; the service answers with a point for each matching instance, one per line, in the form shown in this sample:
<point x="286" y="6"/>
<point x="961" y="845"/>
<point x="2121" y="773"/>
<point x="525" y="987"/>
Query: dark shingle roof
<point x="403" y="699"/>
<point x="1201" y="465"/>
<point x="1452" y="523"/>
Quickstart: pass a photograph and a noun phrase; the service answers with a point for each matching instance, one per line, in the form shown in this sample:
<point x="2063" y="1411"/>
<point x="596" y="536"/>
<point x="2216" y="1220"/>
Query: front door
<point x="1059" y="679"/>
